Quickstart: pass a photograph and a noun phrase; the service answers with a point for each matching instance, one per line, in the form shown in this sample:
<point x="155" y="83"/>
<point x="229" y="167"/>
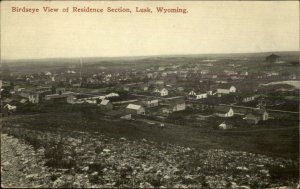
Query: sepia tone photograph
<point x="149" y="94"/>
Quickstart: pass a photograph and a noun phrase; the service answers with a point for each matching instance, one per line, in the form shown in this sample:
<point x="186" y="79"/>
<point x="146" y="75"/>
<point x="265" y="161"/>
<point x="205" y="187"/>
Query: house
<point x="161" y="68"/>
<point x="256" y="115"/>
<point x="224" y="126"/>
<point x="194" y="95"/>
<point x="10" y="107"/>
<point x="174" y="105"/>
<point x="161" y="92"/>
<point x="245" y="98"/>
<point x="248" y="98"/>
<point x="126" y="117"/>
<point x="177" y="105"/>
<point x="135" y="109"/>
<point x="164" y="74"/>
<point x="272" y="58"/>
<point x="58" y="97"/>
<point x="230" y="72"/>
<point x="106" y="105"/>
<point x="73" y="100"/>
<point x="262" y="113"/>
<point x="150" y="103"/>
<point x="34" y="98"/>
<point x="244" y="73"/>
<point x="226" y="90"/>
<point x="48" y="73"/>
<point x="149" y="75"/>
<point x="223" y="111"/>
<point x="251" y="118"/>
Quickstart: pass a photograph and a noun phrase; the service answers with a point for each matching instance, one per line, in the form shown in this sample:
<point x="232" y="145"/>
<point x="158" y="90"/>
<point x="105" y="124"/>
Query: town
<point x="193" y="92"/>
<point x="200" y="101"/>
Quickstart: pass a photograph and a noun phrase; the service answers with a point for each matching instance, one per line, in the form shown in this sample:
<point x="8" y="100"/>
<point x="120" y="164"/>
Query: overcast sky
<point x="208" y="27"/>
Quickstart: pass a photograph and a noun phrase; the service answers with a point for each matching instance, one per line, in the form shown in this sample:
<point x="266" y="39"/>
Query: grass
<point x="277" y="141"/>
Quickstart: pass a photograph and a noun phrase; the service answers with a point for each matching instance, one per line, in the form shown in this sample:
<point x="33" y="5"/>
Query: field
<point x="278" y="140"/>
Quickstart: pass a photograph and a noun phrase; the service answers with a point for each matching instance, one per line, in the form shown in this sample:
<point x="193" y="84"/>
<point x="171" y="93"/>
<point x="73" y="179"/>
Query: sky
<point x="208" y="27"/>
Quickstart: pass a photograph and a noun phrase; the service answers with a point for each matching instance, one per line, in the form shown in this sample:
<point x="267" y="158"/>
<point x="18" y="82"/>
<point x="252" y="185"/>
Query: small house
<point x="223" y="111"/>
<point x="197" y="96"/>
<point x="135" y="109"/>
<point x="106" y="105"/>
<point x="10" y="107"/>
<point x="161" y="92"/>
<point x="256" y="115"/>
<point x="252" y="118"/>
<point x="226" y="90"/>
<point x="248" y="98"/>
<point x="33" y="98"/>
<point x="59" y="97"/>
<point x="174" y="105"/>
<point x="150" y="103"/>
<point x="126" y="117"/>
<point x="178" y="105"/>
<point x="224" y="126"/>
<point x="263" y="114"/>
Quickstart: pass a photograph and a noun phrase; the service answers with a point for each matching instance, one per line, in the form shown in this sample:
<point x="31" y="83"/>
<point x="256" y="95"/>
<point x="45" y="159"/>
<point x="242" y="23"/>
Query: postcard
<point x="149" y="94"/>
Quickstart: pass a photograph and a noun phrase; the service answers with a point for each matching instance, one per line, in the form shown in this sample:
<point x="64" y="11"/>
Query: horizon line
<point x="143" y="56"/>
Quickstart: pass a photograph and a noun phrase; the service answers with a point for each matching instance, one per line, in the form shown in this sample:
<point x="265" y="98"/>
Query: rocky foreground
<point x="21" y="165"/>
<point x="85" y="160"/>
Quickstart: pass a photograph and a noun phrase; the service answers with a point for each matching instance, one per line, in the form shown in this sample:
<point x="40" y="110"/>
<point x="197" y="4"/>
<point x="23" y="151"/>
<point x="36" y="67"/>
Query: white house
<point x="10" y="107"/>
<point x="135" y="109"/>
<point x="174" y="105"/>
<point x="231" y="89"/>
<point x="151" y="102"/>
<point x="48" y="73"/>
<point x="178" y="105"/>
<point x="198" y="96"/>
<point x="33" y="98"/>
<point x="224" y="126"/>
<point x="248" y="98"/>
<point x="224" y="111"/>
<point x="161" y="92"/>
